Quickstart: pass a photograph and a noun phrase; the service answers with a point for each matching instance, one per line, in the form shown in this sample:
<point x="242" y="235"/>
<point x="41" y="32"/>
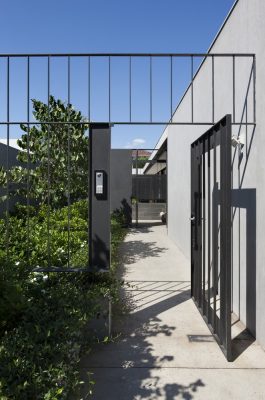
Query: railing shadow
<point x="131" y="367"/>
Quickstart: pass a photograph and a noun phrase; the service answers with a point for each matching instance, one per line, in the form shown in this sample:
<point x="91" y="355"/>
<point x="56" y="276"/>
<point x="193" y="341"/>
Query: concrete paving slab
<point x="178" y="383"/>
<point x="164" y="349"/>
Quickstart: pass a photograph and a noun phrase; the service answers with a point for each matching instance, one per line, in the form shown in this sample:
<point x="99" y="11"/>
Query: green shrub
<point x="44" y="317"/>
<point x="31" y="250"/>
<point x="42" y="340"/>
<point x="12" y="302"/>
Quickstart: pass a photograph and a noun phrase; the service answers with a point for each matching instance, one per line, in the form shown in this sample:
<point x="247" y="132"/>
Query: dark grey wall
<point x="150" y="187"/>
<point x="121" y="181"/>
<point x="99" y="210"/>
<point x="12" y="156"/>
<point x="12" y="161"/>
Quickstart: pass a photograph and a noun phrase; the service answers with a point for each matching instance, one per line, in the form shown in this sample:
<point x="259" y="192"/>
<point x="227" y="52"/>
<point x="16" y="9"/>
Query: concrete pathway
<point x="165" y="350"/>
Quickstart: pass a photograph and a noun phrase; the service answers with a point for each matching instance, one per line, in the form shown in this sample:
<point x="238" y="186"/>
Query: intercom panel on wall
<point x="100" y="182"/>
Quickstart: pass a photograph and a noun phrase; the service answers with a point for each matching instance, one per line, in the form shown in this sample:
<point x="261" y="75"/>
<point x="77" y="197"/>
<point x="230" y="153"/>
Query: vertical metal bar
<point x="213" y="105"/>
<point x="88" y="172"/>
<point x="88" y="91"/>
<point x="192" y="215"/>
<point x="196" y="223"/>
<point x="49" y="172"/>
<point x="69" y="156"/>
<point x="199" y="224"/>
<point x="151" y="94"/>
<point x="192" y="116"/>
<point x="171" y="88"/>
<point x="246" y="128"/>
<point x="28" y="139"/>
<point x="130" y="87"/>
<point x="90" y="199"/>
<point x="234" y="95"/>
<point x="225" y="238"/>
<point x="203" y="226"/>
<point x="89" y="182"/>
<point x="222" y="242"/>
<point x="209" y="229"/>
<point x="109" y="89"/>
<point x="214" y="233"/>
<point x="195" y="239"/>
<point x="137" y="189"/>
<point x="233" y="210"/>
<point x="110" y="317"/>
<point x="254" y="88"/>
<point x="7" y="158"/>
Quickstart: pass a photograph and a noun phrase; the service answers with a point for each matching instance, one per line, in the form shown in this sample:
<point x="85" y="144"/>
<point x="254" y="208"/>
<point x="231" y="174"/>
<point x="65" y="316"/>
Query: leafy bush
<point x="12" y="302"/>
<point x="42" y="341"/>
<point x="40" y="250"/>
<point x="39" y="356"/>
<point x="44" y="318"/>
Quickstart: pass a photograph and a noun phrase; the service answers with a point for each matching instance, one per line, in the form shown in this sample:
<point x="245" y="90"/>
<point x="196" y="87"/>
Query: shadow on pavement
<point x="128" y="369"/>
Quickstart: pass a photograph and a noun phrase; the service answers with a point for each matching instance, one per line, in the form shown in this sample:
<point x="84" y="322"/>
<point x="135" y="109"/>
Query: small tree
<point x="140" y="161"/>
<point x="53" y="157"/>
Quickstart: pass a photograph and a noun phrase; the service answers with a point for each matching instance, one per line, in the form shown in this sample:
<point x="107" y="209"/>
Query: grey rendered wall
<point x="121" y="181"/>
<point x="244" y="31"/>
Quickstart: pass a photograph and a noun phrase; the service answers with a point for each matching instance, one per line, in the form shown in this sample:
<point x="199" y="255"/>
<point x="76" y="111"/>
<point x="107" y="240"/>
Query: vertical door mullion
<point x="199" y="223"/>
<point x="203" y="225"/>
<point x="225" y="239"/>
<point x="191" y="216"/>
<point x="209" y="229"/>
<point x="214" y="233"/>
<point x="197" y="217"/>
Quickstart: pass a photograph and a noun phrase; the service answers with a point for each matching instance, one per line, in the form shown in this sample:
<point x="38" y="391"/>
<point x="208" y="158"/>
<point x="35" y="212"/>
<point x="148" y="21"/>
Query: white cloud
<point x="135" y="143"/>
<point x="138" y="141"/>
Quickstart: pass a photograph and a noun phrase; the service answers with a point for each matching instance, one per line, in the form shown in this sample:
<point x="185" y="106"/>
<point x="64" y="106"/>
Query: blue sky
<point x="63" y="26"/>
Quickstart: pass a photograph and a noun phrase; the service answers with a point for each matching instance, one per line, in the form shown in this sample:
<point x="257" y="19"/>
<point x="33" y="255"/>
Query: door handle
<point x="192" y="218"/>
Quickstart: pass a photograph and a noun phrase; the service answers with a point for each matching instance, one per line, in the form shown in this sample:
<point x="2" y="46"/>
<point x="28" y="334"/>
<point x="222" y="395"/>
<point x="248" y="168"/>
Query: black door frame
<point x="204" y="267"/>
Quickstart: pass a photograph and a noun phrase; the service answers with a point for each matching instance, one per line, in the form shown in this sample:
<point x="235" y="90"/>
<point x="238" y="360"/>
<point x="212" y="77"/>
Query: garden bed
<point x="44" y="318"/>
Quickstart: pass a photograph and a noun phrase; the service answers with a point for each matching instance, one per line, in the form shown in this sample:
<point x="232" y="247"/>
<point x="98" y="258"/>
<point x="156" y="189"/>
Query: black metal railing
<point x="27" y="76"/>
<point x="132" y="80"/>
